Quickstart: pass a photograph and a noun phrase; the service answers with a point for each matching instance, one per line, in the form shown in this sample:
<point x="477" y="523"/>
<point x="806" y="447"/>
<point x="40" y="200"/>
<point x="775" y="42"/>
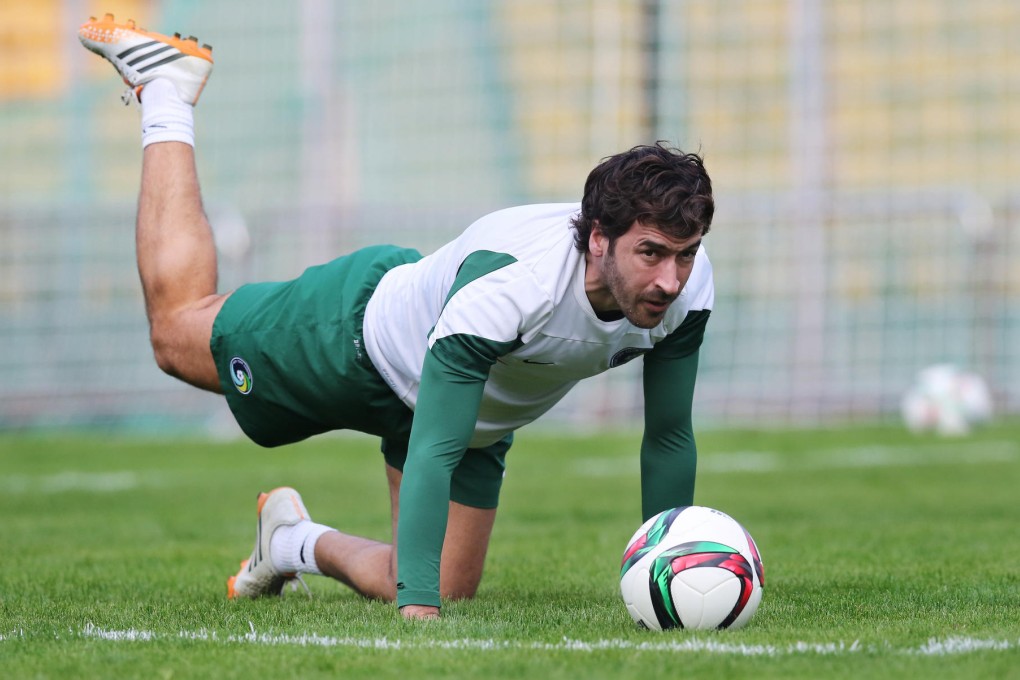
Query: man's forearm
<point x="444" y="423"/>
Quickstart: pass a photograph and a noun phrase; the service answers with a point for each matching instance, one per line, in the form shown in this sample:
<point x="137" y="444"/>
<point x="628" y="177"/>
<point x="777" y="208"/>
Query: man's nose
<point x="668" y="278"/>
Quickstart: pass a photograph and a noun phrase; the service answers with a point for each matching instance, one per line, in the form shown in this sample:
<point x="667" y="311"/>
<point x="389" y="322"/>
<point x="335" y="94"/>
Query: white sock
<point x="293" y="547"/>
<point x="165" y="117"/>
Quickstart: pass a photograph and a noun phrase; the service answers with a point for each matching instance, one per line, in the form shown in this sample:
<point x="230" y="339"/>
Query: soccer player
<point x="442" y="356"/>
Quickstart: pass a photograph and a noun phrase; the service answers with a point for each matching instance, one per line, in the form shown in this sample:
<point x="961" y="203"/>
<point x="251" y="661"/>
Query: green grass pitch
<point x="886" y="555"/>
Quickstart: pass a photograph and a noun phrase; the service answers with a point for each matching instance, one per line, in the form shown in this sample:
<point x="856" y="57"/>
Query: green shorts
<point x="292" y="364"/>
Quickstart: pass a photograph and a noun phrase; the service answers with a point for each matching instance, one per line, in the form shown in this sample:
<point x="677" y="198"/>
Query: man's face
<point x="641" y="275"/>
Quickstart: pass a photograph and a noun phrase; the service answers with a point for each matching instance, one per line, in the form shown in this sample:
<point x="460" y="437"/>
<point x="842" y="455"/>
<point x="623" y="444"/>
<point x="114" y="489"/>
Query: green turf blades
<point x="116" y="552"/>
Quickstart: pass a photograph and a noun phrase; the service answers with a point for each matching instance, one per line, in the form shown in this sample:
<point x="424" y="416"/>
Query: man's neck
<point x="599" y="297"/>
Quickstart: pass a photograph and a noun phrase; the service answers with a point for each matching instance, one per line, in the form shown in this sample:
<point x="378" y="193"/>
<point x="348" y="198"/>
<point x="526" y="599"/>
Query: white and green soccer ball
<point x="946" y="400"/>
<point x="691" y="567"/>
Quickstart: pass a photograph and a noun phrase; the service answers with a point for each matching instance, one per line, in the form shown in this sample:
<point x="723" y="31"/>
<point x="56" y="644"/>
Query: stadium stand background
<point x="865" y="156"/>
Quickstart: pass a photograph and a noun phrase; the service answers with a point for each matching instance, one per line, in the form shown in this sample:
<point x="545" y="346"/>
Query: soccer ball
<point x="946" y="400"/>
<point x="691" y="567"/>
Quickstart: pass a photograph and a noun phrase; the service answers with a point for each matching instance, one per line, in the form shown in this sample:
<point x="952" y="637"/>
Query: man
<point x="442" y="356"/>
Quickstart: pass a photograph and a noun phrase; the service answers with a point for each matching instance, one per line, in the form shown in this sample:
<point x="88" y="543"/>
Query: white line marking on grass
<point x="933" y="647"/>
<point x="132" y="635"/>
<point x="742" y="461"/>
<point x="73" y="481"/>
<point x="958" y="645"/>
<point x="932" y="454"/>
<point x="948" y="453"/>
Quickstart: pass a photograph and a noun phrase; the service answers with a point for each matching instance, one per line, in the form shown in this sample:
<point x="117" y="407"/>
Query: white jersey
<point x="528" y="294"/>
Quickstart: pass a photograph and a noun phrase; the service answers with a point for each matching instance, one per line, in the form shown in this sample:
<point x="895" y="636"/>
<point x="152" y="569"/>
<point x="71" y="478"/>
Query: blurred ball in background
<point x="947" y="400"/>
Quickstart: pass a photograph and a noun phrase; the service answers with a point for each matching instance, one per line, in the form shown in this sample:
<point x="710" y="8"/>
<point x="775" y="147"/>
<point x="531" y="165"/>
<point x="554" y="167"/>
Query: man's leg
<point x="177" y="263"/>
<point x="176" y="255"/>
<point x="370" y="567"/>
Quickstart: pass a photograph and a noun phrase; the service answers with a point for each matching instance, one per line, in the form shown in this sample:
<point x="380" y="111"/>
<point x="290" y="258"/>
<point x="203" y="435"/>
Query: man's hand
<point x="419" y="611"/>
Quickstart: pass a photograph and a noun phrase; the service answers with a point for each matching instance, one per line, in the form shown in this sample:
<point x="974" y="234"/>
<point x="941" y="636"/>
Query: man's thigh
<point x="290" y="353"/>
<point x="468" y="531"/>
<point x="478" y="477"/>
<point x="181" y="343"/>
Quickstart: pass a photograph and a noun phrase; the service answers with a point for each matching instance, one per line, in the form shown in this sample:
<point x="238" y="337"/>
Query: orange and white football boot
<point x="141" y="56"/>
<point x="257" y="576"/>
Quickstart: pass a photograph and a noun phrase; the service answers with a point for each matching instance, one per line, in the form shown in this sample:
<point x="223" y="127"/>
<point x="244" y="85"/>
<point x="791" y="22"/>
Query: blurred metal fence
<point x="865" y="155"/>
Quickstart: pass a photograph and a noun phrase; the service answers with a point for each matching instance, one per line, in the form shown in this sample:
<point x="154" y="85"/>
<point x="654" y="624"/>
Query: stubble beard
<point x="630" y="305"/>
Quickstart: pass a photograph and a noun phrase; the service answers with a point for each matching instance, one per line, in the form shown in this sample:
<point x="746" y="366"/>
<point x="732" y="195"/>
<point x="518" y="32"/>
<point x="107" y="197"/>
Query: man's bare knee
<point x="161" y="336"/>
<point x="181" y="349"/>
<point x="463" y="586"/>
<point x="460" y="593"/>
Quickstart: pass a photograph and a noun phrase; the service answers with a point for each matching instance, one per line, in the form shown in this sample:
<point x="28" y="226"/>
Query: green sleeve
<point x="446" y="411"/>
<point x="453" y="379"/>
<point x="669" y="455"/>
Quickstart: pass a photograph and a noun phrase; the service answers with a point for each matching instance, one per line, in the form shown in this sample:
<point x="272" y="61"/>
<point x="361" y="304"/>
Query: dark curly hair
<point x="656" y="185"/>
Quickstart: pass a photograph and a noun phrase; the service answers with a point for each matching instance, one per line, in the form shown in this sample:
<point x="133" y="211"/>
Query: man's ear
<point x="598" y="242"/>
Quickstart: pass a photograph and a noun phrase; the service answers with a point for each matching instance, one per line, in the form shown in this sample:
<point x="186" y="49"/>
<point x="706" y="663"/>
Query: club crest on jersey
<point x="241" y="375"/>
<point x="626" y="354"/>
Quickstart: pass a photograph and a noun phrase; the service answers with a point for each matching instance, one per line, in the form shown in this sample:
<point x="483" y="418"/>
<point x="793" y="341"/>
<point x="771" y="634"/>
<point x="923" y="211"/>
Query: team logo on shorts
<point x="625" y="355"/>
<point x="241" y="375"/>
